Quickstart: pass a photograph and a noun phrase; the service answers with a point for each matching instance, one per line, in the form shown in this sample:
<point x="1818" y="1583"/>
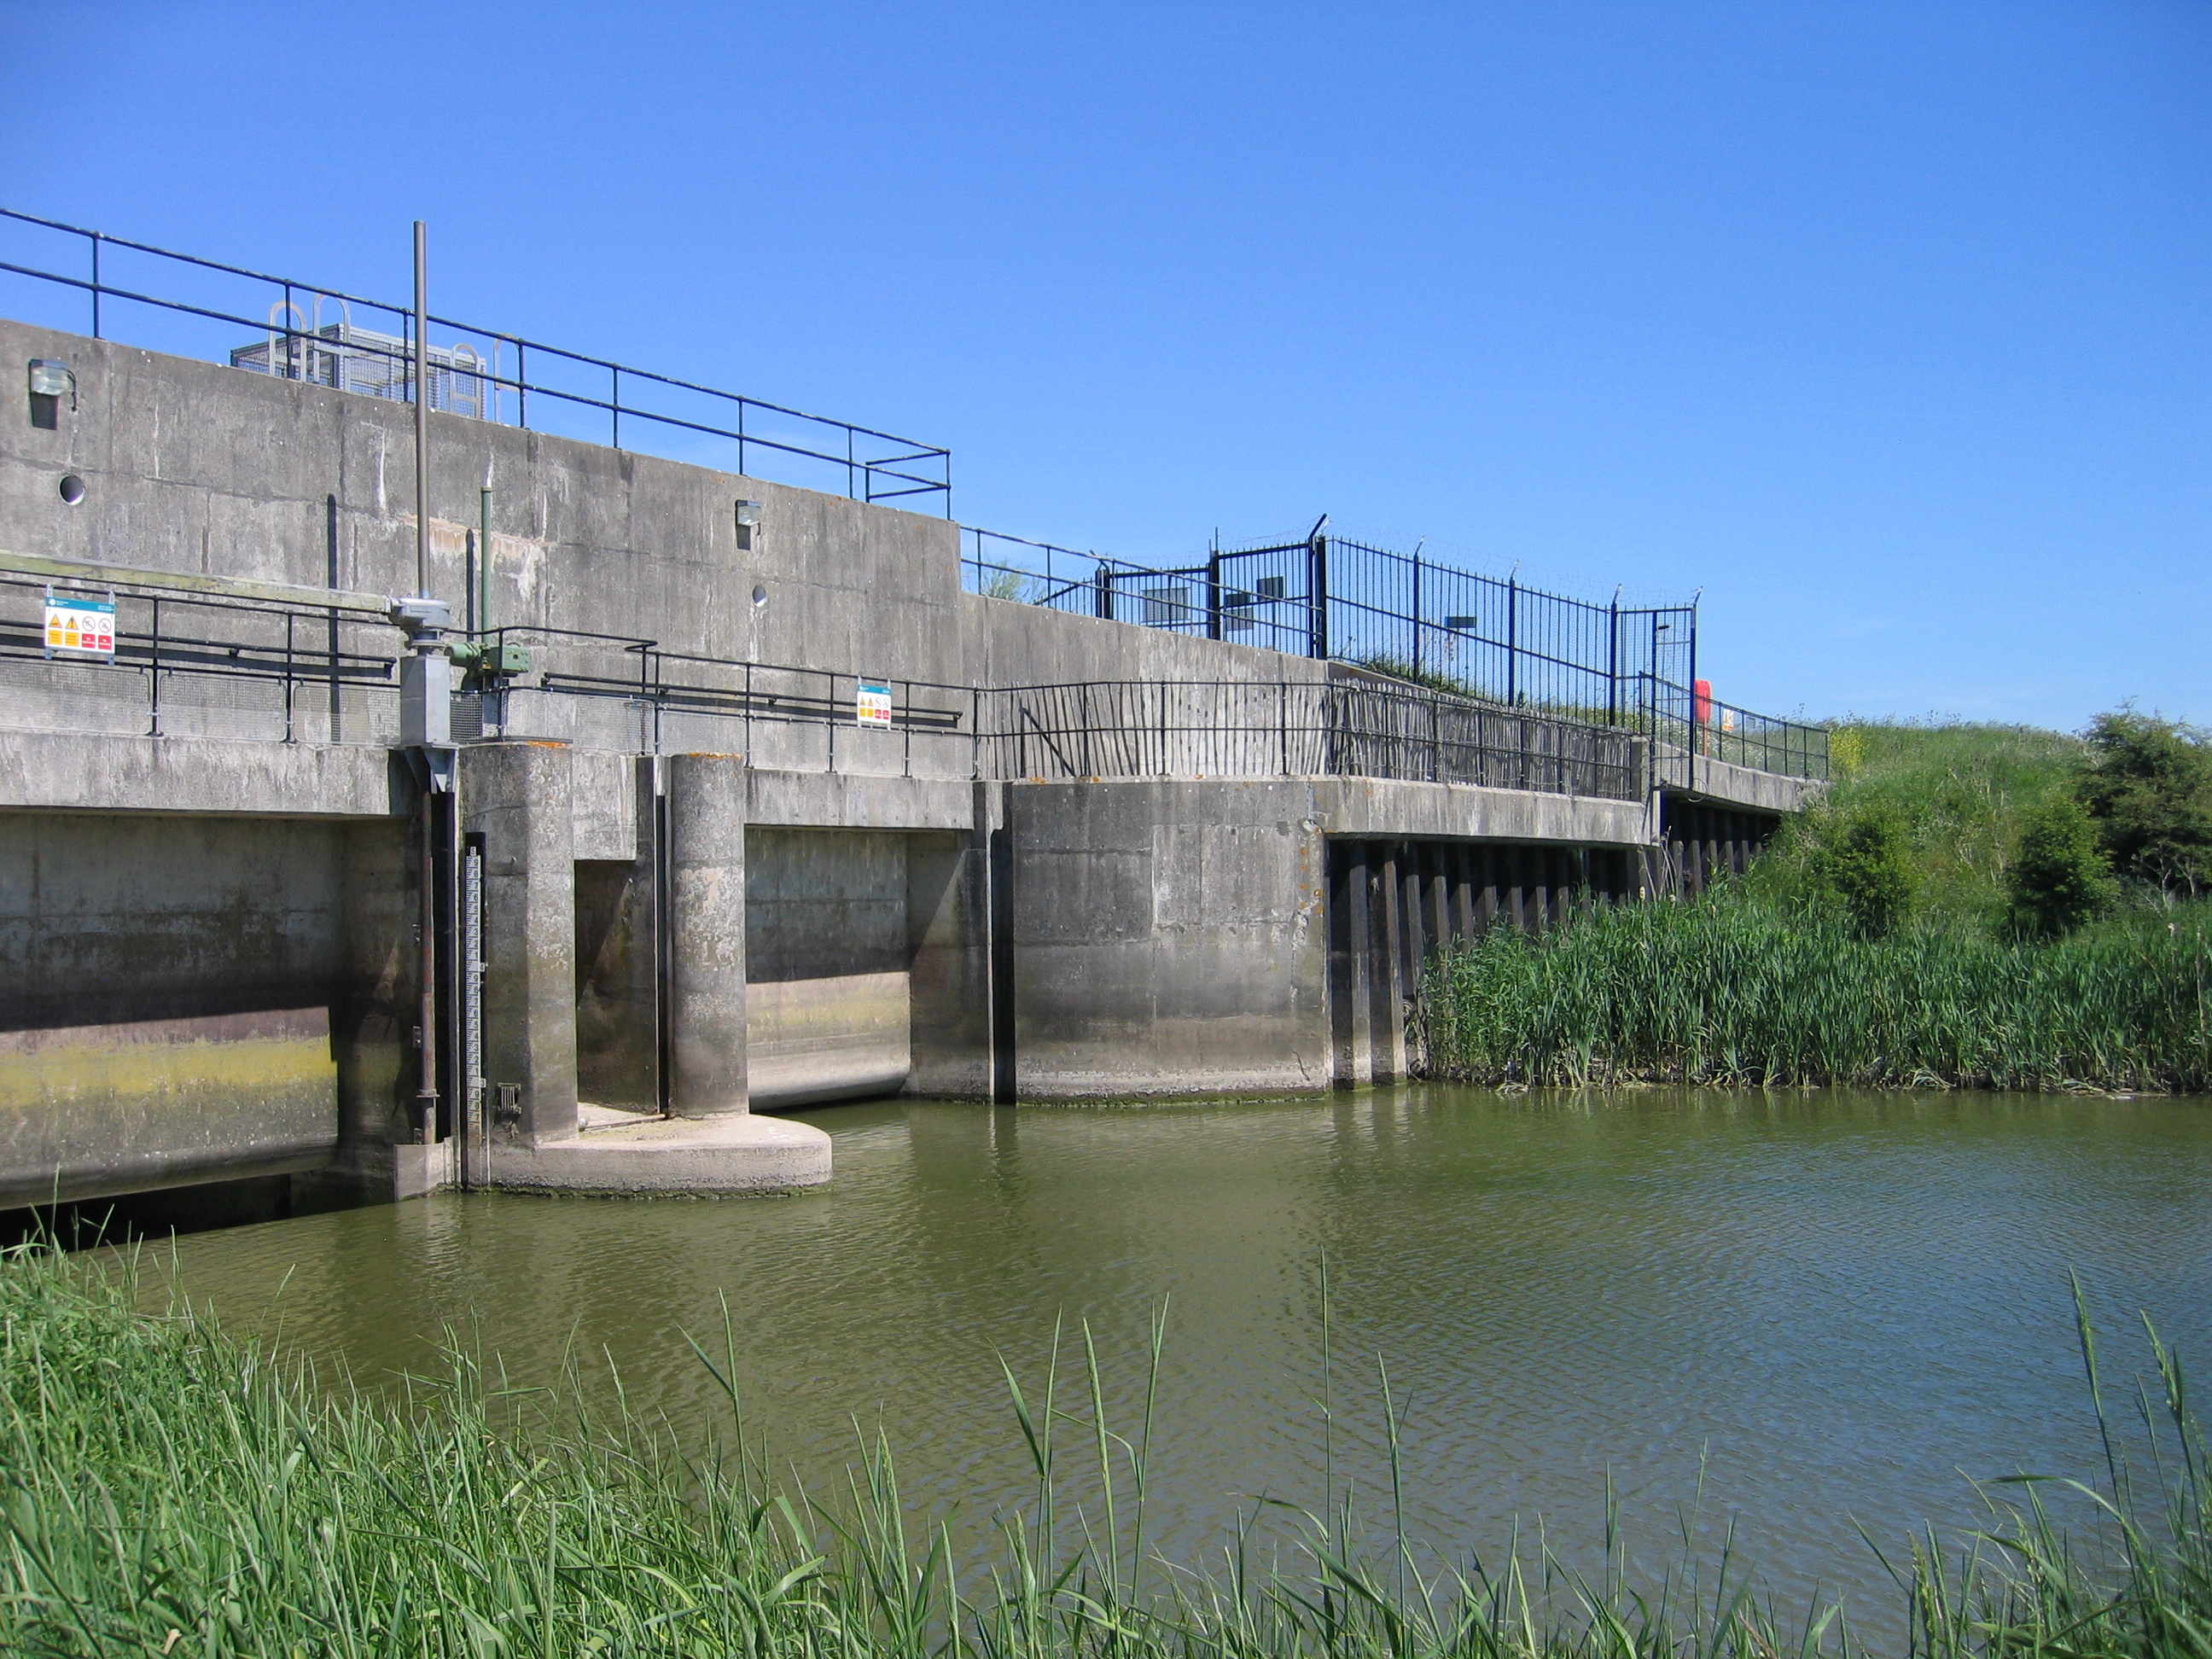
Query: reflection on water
<point x="1844" y="1304"/>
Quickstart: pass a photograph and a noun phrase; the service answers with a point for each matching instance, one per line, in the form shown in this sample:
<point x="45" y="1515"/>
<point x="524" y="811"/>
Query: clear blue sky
<point x="1886" y="325"/>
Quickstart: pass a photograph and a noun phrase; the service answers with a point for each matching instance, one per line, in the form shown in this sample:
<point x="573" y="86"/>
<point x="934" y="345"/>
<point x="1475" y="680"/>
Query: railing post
<point x="1213" y="588"/>
<point x="95" y="285"/>
<point x="615" y="400"/>
<point x="289" y="620"/>
<point x="521" y="390"/>
<point x="1613" y="661"/>
<point x="1317" y="597"/>
<point x="1417" y="613"/>
<point x="1513" y="641"/>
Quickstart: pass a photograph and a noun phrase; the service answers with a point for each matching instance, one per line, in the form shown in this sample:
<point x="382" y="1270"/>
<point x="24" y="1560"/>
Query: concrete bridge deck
<point x="1084" y="857"/>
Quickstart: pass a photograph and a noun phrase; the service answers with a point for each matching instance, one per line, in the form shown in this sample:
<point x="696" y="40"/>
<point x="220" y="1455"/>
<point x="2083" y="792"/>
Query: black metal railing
<point x="1689" y="729"/>
<point x="1314" y="728"/>
<point x="310" y="331"/>
<point x="203" y="667"/>
<point x="1487" y="638"/>
<point x="1324" y="596"/>
<point x="681" y="700"/>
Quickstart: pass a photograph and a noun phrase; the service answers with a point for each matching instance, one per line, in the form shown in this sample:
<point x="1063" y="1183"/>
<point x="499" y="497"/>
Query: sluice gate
<point x="747" y="804"/>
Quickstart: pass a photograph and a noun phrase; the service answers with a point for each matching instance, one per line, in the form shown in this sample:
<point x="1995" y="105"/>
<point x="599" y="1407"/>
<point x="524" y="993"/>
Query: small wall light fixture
<point x="72" y="488"/>
<point x="749" y="518"/>
<point x="50" y="378"/>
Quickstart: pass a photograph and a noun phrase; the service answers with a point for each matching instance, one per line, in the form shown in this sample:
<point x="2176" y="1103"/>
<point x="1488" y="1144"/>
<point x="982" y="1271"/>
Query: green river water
<point x="1839" y="1307"/>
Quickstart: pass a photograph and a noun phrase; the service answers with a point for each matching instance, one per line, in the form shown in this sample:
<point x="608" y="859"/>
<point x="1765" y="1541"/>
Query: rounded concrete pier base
<point x="621" y="1154"/>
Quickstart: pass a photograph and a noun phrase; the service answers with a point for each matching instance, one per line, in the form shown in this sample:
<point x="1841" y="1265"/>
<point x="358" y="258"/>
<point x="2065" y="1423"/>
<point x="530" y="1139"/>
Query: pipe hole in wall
<point x="72" y="488"/>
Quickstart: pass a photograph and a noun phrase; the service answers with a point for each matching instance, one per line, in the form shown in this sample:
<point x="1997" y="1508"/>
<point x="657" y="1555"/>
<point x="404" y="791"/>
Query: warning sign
<point x="80" y="626"/>
<point x="874" y="707"/>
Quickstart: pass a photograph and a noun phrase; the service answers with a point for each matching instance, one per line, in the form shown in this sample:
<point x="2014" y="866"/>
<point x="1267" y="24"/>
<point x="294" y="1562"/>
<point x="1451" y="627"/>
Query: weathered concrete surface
<point x="735" y="1152"/>
<point x="948" y="935"/>
<point x="1374" y="806"/>
<point x="1726" y="784"/>
<point x="96" y="771"/>
<point x="198" y="467"/>
<point x="517" y="797"/>
<point x="844" y="801"/>
<point x="828" y="949"/>
<point x="708" y="920"/>
<point x="167" y="987"/>
<point x="92" y="1111"/>
<point x="1167" y="938"/>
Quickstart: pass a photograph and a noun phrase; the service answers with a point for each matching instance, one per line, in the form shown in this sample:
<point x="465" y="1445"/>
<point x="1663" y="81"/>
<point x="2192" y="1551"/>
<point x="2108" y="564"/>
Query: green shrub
<point x="1869" y="866"/>
<point x="2149" y="785"/>
<point x="2059" y="878"/>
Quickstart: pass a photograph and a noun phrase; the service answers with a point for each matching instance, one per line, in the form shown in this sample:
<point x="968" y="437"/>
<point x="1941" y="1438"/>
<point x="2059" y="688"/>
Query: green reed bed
<point x="1726" y="991"/>
<point x="168" y="1490"/>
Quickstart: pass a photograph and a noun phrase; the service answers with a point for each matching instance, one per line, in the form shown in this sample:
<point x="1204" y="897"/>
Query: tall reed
<point x="168" y="1491"/>
<point x="1724" y="991"/>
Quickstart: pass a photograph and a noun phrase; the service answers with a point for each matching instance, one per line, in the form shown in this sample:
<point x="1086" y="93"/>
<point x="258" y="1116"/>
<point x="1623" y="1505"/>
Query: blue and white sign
<point x="874" y="706"/>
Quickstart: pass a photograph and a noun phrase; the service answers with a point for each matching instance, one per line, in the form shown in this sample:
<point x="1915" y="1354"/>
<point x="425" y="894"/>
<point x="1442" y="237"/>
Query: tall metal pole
<point x="422" y="417"/>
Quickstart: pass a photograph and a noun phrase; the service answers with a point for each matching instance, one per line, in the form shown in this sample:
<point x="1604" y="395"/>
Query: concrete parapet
<point x="1726" y="784"/>
<point x="841" y="800"/>
<point x="90" y="771"/>
<point x="1376" y="807"/>
<point x="707" y="935"/>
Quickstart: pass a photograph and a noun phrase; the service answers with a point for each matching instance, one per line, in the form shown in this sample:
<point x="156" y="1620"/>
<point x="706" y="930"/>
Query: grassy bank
<point x="1729" y="990"/>
<point x="169" y="1490"/>
<point x="1773" y="979"/>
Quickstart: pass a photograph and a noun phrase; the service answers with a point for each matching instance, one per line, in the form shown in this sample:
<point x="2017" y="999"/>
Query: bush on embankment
<point x="1729" y="990"/>
<point x="169" y="1490"/>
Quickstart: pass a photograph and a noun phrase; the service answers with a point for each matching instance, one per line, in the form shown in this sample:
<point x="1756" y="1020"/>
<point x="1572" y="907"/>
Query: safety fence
<point x="1489" y="639"/>
<point x="65" y="276"/>
<point x="1334" y="727"/>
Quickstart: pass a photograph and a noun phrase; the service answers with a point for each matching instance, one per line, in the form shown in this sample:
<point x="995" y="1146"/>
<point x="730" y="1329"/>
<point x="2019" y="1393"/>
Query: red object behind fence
<point x="1701" y="702"/>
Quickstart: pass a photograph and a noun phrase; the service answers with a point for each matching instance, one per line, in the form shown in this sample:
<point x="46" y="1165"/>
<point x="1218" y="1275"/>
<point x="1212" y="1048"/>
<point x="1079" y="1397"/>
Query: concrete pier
<point x="708" y="1076"/>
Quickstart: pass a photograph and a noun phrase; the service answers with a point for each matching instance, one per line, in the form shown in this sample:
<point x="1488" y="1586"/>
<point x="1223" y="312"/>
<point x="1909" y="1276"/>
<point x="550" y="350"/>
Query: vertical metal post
<point x="1317" y="597"/>
<point x="289" y="620"/>
<point x="422" y="416"/>
<point x="154" y="671"/>
<point x="1697" y="736"/>
<point x="95" y="285"/>
<point x="521" y="390"/>
<point x="425" y="1092"/>
<point x="1513" y="640"/>
<point x="1613" y="661"/>
<point x="470" y="1116"/>
<point x="1213" y="587"/>
<point x="615" y="400"/>
<point x="1417" y="615"/>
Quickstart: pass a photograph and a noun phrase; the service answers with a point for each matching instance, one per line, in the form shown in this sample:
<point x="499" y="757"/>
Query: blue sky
<point x="1886" y="325"/>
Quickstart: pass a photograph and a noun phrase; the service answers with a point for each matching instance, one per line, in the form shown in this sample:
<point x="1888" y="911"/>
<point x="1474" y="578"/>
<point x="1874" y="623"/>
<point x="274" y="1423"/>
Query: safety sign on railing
<point x="874" y="705"/>
<point x="78" y="627"/>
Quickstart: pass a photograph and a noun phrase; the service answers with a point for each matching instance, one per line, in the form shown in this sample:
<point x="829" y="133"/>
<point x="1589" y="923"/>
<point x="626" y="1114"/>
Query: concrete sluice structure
<point x="947" y="845"/>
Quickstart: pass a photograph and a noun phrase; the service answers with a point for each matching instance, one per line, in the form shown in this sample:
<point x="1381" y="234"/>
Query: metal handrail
<point x="863" y="471"/>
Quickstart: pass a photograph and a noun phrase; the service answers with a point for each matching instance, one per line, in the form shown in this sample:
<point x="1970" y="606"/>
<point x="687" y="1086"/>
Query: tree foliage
<point x="2058" y="877"/>
<point x="2148" y="785"/>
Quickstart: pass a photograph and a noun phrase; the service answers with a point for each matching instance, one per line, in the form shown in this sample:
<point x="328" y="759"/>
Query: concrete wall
<point x="173" y="1000"/>
<point x="1166" y="937"/>
<point x="198" y="467"/>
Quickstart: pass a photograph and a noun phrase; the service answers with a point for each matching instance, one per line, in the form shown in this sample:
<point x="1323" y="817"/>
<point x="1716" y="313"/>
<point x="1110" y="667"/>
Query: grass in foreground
<point x="1728" y="991"/>
<point x="170" y="1491"/>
